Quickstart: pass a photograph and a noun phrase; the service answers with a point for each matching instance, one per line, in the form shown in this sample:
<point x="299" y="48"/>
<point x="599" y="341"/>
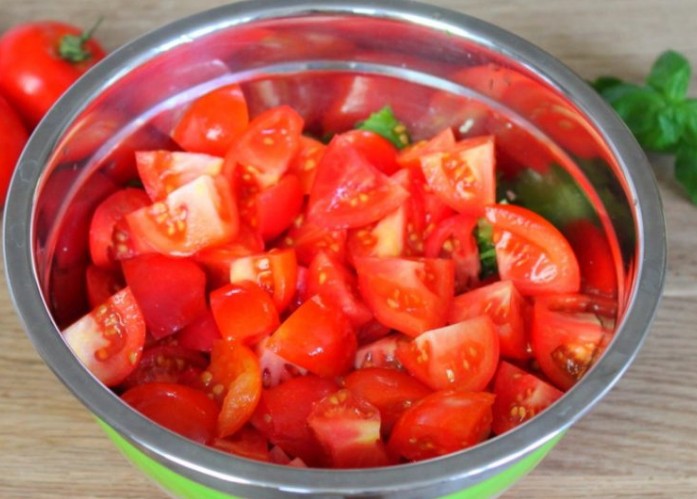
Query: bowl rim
<point x="231" y="474"/>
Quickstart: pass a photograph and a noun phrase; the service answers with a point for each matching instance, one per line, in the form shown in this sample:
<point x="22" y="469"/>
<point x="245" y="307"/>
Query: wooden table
<point x="641" y="441"/>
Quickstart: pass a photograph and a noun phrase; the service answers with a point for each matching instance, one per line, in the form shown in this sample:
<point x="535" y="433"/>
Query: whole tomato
<point x="39" y="61"/>
<point x="13" y="136"/>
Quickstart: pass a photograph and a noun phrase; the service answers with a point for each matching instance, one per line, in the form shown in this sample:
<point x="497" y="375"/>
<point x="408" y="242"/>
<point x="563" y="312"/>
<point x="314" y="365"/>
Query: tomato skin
<point x="379" y="151"/>
<point x="169" y="291"/>
<point x="13" y="137"/>
<point x="247" y="442"/>
<point x="531" y="252"/>
<point x="278" y="206"/>
<point x="380" y="353"/>
<point x="409" y="156"/>
<point x="443" y="422"/>
<point x="32" y="73"/>
<point x="167" y="362"/>
<point x="210" y="124"/>
<point x="184" y="410"/>
<point x="309" y="238"/>
<point x="305" y="162"/>
<point x="216" y="260"/>
<point x="101" y="284"/>
<point x="598" y="273"/>
<point x="200" y="334"/>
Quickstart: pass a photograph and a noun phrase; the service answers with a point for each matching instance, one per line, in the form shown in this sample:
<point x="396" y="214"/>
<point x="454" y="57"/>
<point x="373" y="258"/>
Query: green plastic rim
<point x="184" y="488"/>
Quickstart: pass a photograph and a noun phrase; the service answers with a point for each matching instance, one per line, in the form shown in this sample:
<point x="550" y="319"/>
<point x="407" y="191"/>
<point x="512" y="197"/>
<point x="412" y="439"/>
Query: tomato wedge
<point x="278" y="206"/>
<point x="309" y="238"/>
<point x="304" y="164"/>
<point x="167" y="362"/>
<point x="102" y="283"/>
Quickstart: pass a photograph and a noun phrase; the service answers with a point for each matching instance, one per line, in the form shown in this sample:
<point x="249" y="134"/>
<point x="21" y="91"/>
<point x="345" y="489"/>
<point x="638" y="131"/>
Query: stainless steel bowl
<point x="302" y="52"/>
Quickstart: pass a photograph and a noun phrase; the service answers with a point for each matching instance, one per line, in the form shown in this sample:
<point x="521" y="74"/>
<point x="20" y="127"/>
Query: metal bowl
<point x="304" y="53"/>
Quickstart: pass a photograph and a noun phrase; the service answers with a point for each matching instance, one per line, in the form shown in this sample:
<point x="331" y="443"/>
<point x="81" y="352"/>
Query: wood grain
<point x="638" y="442"/>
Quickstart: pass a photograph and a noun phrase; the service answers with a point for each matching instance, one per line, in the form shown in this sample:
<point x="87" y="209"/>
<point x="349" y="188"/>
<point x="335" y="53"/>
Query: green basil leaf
<point x="603" y="83"/>
<point x="385" y="123"/>
<point x="689" y="109"/>
<point x="484" y="235"/>
<point x="670" y="75"/>
<point x="686" y="170"/>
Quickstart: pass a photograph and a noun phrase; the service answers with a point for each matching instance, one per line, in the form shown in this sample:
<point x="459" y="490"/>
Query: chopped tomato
<point x="170" y="292"/>
<point x="211" y="123"/>
<point x="348" y="428"/>
<point x="519" y="397"/>
<point x="505" y="306"/>
<point x="109" y="340"/>
<point x="309" y="238"/>
<point x="386" y="238"/>
<point x="409" y="157"/>
<point x="462" y="355"/>
<point x="216" y="260"/>
<point x="247" y="442"/>
<point x="409" y="295"/>
<point x="443" y="422"/>
<point x="102" y="283"/>
<point x="531" y="252"/>
<point x="379" y="151"/>
<point x="184" y="410"/>
<point x="304" y="164"/>
<point x="278" y="206"/>
<point x="201" y="334"/>
<point x="379" y="353"/>
<point x="167" y="363"/>
<point x="274" y="368"/>
<point x="316" y="337"/>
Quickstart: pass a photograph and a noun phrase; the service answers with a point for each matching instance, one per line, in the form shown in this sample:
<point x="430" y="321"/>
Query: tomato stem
<point x="72" y="47"/>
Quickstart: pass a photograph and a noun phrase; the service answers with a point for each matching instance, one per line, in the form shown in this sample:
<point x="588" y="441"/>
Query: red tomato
<point x="309" y="238"/>
<point x="409" y="295"/>
<point x="109" y="340"/>
<point x="283" y="411"/>
<point x="379" y="151"/>
<point x="275" y="271"/>
<point x="195" y="216"/>
<point x="379" y="353"/>
<point x="184" y="410"/>
<point x="216" y="260"/>
<point x="109" y="239"/>
<point x="463" y="355"/>
<point x="409" y="157"/>
<point x="278" y="206"/>
<point x="162" y="172"/>
<point x="274" y="368"/>
<point x="167" y="363"/>
<point x="389" y="390"/>
<point x="463" y="176"/>
<point x="505" y="306"/>
<point x="349" y="191"/>
<point x="244" y="312"/>
<point x="317" y="337"/>
<point x="531" y="252"/>
<point x="169" y="291"/>
<point x="443" y="422"/>
<point x="386" y="238"/>
<point x="36" y="65"/>
<point x="201" y="334"/>
<point x="348" y="428"/>
<point x="247" y="442"/>
<point x="101" y="284"/>
<point x="305" y="162"/>
<point x="13" y="136"/>
<point x="211" y="123"/>
<point x="519" y="397"/>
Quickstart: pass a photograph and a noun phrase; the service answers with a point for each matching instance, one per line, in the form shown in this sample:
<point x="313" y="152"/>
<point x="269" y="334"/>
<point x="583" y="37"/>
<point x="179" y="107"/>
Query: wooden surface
<point x="641" y="441"/>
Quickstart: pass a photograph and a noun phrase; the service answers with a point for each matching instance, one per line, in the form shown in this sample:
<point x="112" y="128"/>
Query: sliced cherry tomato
<point x="371" y="331"/>
<point x="531" y="252"/>
<point x="216" y="260"/>
<point x="283" y="411"/>
<point x="386" y="238"/>
<point x="247" y="442"/>
<point x="317" y="337"/>
<point x="443" y="422"/>
<point x="409" y="157"/>
<point x="379" y="353"/>
<point x="278" y="206"/>
<point x="200" y="334"/>
<point x="244" y="312"/>
<point x="379" y="151"/>
<point x="184" y="410"/>
<point x="13" y="137"/>
<point x="275" y="271"/>
<point x="101" y="284"/>
<point x="211" y="123"/>
<point x="169" y="291"/>
<point x="349" y="191"/>
<point x="391" y="391"/>
<point x="305" y="162"/>
<point x="409" y="295"/>
<point x="274" y="368"/>
<point x="109" y="340"/>
<point x="107" y="240"/>
<point x="309" y="238"/>
<point x="195" y="216"/>
<point x="462" y="355"/>
<point x="519" y="397"/>
<point x="463" y="176"/>
<point x="505" y="306"/>
<point x="162" y="172"/>
<point x="348" y="428"/>
<point x="167" y="362"/>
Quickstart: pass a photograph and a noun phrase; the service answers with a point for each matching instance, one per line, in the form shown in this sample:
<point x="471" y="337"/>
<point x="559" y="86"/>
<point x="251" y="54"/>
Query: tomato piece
<point x="216" y="260"/>
<point x="463" y="176"/>
<point x="278" y="206"/>
<point x="162" y="172"/>
<point x="505" y="306"/>
<point x="181" y="409"/>
<point x="453" y="238"/>
<point x="268" y="145"/>
<point x="235" y="378"/>
<point x="349" y="191"/>
<point x="462" y="355"/>
<point x="200" y="334"/>
<point x="386" y="238"/>
<point x="304" y="164"/>
<point x="391" y="391"/>
<point x="283" y="411"/>
<point x="274" y="368"/>
<point x="169" y="291"/>
<point x="275" y="271"/>
<point x="13" y="137"/>
<point x="109" y="340"/>
<point x="371" y="331"/>
<point x="337" y="287"/>
<point x="101" y="284"/>
<point x="247" y="442"/>
<point x="379" y="151"/>
<point x="211" y="123"/>
<point x="244" y="312"/>
<point x="107" y="238"/>
<point x="195" y="216"/>
<point x="167" y="363"/>
<point x="443" y="422"/>
<point x="348" y="428"/>
<point x="409" y="157"/>
<point x="317" y="337"/>
<point x="531" y="252"/>
<point x="519" y="397"/>
<point x="566" y="337"/>
<point x="409" y="295"/>
<point x="379" y="353"/>
<point x="309" y="238"/>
